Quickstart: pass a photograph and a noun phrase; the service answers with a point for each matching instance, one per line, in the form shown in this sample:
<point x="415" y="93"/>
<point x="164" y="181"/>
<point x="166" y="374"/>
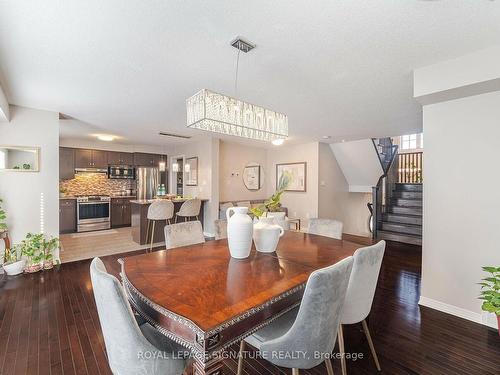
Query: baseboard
<point x="484" y="318"/>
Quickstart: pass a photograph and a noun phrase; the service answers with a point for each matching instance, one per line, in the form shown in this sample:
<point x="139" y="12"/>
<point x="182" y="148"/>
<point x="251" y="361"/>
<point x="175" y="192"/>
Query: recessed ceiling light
<point x="278" y="142"/>
<point x="105" y="138"/>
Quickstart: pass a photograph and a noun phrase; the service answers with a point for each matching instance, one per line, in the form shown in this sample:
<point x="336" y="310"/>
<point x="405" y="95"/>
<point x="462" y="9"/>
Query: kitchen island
<point x="140" y="219"/>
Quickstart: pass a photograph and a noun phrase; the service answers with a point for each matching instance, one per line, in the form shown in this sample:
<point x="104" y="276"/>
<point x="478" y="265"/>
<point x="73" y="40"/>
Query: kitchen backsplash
<point x="94" y="184"/>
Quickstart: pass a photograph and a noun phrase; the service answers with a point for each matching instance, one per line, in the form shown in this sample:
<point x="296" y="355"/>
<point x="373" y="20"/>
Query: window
<point x="409" y="142"/>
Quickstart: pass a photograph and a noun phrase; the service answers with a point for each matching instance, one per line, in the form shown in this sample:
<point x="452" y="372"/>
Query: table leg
<point x="211" y="366"/>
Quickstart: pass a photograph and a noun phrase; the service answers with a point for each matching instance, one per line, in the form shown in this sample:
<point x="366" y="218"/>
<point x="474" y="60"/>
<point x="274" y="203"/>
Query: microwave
<point x="121" y="171"/>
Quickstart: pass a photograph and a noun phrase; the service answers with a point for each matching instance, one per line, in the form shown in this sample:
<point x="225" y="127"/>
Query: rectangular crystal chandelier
<point x="217" y="113"/>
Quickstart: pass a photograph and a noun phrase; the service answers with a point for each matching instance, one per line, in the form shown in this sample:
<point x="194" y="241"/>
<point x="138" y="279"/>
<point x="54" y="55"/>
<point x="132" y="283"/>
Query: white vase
<point x="280" y="219"/>
<point x="14" y="268"/>
<point x="239" y="232"/>
<point x="266" y="234"/>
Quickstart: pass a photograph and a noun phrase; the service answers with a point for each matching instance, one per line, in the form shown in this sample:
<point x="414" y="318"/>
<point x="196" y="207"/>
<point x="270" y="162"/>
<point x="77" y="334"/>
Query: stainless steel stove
<point x="93" y="212"/>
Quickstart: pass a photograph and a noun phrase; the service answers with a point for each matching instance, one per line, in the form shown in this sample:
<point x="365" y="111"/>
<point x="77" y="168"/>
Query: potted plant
<point x="32" y="248"/>
<point x="14" y="264"/>
<point x="273" y="204"/>
<point x="50" y="246"/>
<point x="490" y="292"/>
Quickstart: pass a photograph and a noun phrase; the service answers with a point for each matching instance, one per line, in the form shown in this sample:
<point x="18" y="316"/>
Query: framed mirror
<point x="191" y="171"/>
<point x="253" y="176"/>
<point x="19" y="159"/>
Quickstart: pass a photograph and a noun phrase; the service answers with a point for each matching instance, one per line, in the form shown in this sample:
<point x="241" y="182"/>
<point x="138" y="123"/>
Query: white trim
<point x="484" y="318"/>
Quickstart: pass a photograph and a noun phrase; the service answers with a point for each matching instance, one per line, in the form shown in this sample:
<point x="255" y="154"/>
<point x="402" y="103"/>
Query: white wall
<point x="234" y="157"/>
<point x="21" y="191"/>
<point x="4" y="107"/>
<point x="335" y="200"/>
<point x="461" y="210"/>
<point x="207" y="152"/>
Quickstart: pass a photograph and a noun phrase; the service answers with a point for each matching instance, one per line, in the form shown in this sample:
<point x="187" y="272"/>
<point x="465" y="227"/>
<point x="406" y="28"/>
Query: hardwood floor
<point x="49" y="325"/>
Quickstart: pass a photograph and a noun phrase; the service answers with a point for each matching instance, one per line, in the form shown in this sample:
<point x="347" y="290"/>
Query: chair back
<point x="190" y="208"/>
<point x="183" y="234"/>
<point x="326" y="227"/>
<point x="220" y="229"/>
<point x="318" y="318"/>
<point x="122" y="336"/>
<point x="363" y="282"/>
<point x="161" y="210"/>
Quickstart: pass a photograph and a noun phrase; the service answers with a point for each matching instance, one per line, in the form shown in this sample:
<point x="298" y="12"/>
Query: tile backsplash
<point x="94" y="184"/>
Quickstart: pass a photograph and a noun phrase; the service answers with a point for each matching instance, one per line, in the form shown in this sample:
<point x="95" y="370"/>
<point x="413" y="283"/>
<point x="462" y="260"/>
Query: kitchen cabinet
<point x="91" y="159"/>
<point x="66" y="163"/>
<point x="147" y="160"/>
<point x="67" y="215"/>
<point x="120" y="158"/>
<point x="121" y="214"/>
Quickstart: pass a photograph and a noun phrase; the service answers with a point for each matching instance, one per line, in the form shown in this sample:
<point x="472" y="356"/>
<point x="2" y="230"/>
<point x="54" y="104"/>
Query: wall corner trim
<point x="483" y="319"/>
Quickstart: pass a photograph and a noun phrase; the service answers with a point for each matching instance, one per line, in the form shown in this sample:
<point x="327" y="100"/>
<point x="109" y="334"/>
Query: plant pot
<point x="48" y="264"/>
<point x="14" y="268"/>
<point x="32" y="268"/>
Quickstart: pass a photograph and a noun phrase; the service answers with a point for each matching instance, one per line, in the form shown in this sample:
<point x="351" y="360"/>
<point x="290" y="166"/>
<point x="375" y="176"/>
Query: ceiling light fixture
<point x="278" y="141"/>
<point x="105" y="137"/>
<point x="218" y="113"/>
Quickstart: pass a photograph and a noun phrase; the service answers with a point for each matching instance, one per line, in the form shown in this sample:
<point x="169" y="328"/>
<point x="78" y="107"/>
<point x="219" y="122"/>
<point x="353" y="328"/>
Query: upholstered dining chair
<point x="157" y="211"/>
<point x="220" y="229"/>
<point x="189" y="209"/>
<point x="360" y="293"/>
<point x="125" y="341"/>
<point x="306" y="329"/>
<point x="326" y="227"/>
<point x="183" y="234"/>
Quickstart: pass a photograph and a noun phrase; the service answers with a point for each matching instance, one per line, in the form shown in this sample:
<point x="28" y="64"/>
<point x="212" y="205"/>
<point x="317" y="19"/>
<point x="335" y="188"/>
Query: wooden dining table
<point x="201" y="298"/>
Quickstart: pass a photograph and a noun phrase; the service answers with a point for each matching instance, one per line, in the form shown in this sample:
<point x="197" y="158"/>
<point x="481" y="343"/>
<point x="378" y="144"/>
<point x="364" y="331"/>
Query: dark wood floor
<point x="49" y="325"/>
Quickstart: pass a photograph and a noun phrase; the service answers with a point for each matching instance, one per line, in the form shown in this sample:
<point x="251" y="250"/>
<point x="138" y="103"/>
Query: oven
<point x="122" y="172"/>
<point x="93" y="213"/>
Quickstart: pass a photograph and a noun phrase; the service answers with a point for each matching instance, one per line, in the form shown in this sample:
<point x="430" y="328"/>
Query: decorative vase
<point x="280" y="219"/>
<point x="14" y="268"/>
<point x="32" y="268"/>
<point x="266" y="234"/>
<point x="239" y="232"/>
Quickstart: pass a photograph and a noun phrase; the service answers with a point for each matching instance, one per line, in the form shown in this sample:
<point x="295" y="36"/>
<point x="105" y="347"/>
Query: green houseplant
<point x="50" y="245"/>
<point x="273" y="204"/>
<point x="490" y="292"/>
<point x="3" y="216"/>
<point x="13" y="263"/>
<point x="39" y="251"/>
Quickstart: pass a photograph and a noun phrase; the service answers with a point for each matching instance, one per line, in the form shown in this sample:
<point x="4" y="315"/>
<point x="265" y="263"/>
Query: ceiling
<point x="337" y="68"/>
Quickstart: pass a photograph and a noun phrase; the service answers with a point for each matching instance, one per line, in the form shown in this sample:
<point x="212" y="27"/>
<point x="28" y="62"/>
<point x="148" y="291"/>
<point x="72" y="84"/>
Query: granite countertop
<point x="149" y="201"/>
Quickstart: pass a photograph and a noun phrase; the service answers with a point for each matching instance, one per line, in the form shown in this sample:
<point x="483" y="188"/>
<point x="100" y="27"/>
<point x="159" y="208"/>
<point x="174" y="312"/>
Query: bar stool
<point x="157" y="211"/>
<point x="190" y="208"/>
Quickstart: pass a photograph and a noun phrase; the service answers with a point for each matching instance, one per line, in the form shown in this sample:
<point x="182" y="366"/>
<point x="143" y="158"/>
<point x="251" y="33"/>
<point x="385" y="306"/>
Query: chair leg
<point x="295" y="371"/>
<point x="329" y="368"/>
<point x="176" y="216"/>
<point x="185" y="219"/>
<point x="147" y="232"/>
<point x="197" y="218"/>
<point x="370" y="343"/>
<point x="152" y="236"/>
<point x="240" y="357"/>
<point x="342" y="350"/>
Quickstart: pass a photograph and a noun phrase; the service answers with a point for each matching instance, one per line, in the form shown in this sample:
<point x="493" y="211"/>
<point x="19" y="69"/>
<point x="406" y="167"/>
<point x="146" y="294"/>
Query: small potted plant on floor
<point x="490" y="292"/>
<point x="50" y="246"/>
<point x="13" y="263"/>
<point x="32" y="248"/>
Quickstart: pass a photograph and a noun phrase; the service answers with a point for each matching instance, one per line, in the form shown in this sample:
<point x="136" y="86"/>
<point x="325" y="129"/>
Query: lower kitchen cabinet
<point x="67" y="215"/>
<point x="121" y="214"/>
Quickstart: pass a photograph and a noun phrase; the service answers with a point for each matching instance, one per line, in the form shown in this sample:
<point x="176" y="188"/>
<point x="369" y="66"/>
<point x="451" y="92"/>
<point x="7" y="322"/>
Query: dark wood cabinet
<point x="120" y="158"/>
<point x="91" y="158"/>
<point x="66" y="163"/>
<point x="121" y="213"/>
<point x="147" y="160"/>
<point x="67" y="215"/>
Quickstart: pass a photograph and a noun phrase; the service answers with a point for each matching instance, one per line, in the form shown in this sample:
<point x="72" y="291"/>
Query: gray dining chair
<point x="190" y="208"/>
<point x="159" y="210"/>
<point x="220" y="229"/>
<point x="130" y="349"/>
<point x="306" y="329"/>
<point x="183" y="234"/>
<point x="326" y="227"/>
<point x="360" y="293"/>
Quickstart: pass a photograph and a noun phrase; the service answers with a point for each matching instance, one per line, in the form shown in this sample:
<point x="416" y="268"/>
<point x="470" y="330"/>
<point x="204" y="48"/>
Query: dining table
<point x="205" y="300"/>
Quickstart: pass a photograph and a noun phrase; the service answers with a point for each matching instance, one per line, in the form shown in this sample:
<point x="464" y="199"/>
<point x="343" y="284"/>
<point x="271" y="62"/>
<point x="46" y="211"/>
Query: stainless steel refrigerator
<point x="147" y="182"/>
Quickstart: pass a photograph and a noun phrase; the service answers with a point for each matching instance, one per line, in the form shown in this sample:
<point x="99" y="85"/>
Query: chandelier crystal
<point x="217" y="113"/>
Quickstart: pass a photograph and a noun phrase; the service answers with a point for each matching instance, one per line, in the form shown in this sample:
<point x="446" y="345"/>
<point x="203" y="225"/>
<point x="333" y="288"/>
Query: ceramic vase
<point x="266" y="234"/>
<point x="14" y="268"/>
<point x="239" y="232"/>
<point x="280" y="219"/>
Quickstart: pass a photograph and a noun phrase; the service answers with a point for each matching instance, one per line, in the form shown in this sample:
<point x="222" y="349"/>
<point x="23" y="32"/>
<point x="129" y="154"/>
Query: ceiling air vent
<point x="174" y="135"/>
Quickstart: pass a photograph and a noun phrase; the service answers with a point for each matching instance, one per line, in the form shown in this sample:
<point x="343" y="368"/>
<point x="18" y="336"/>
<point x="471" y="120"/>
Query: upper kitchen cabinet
<point x="146" y="160"/>
<point x="66" y="163"/>
<point x="91" y="159"/>
<point x="120" y="158"/>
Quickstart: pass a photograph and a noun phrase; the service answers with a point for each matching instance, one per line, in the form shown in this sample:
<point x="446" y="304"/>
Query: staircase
<point x="402" y="219"/>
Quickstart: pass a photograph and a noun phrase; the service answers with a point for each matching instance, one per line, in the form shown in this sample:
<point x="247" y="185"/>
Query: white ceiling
<point x="339" y="68"/>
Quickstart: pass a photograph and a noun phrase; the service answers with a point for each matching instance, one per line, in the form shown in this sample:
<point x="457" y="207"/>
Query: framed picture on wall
<point x="191" y="171"/>
<point x="298" y="173"/>
<point x="251" y="177"/>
